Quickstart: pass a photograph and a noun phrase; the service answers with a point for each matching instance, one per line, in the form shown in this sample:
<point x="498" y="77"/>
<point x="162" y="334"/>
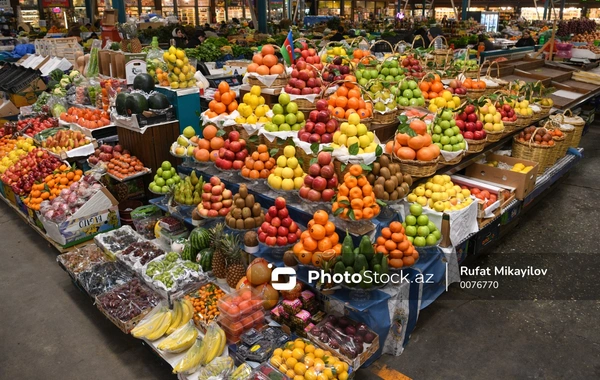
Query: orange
<point x="368" y="200"/>
<point x="342" y="91"/>
<point x="403" y="246"/>
<point x="355" y="170"/>
<point x="334" y="238"/>
<point x="317" y="232"/>
<point x="395" y="226"/>
<point x="424" y="86"/>
<point x="358" y="214"/>
<point x="269" y="60"/>
<point x="316" y="260"/>
<point x="408" y="261"/>
<point x="353" y="103"/>
<point x="339" y="112"/>
<point x="362" y="180"/>
<point x="367" y="190"/>
<point x="351" y="182"/>
<point x="397" y="237"/>
<point x="298" y="247"/>
<point x="341" y="101"/>
<point x="349" y="112"/>
<point x="223" y="87"/>
<point x="220" y="108"/>
<point x="368" y="213"/>
<point x="390" y="245"/>
<point x="324" y="244"/>
<point x="357" y="203"/>
<point x="381" y="249"/>
<point x="257" y="58"/>
<point x="309" y="244"/>
<point x="381" y="239"/>
<point x="321" y="217"/>
<point x="354" y="94"/>
<point x="386" y="234"/>
<point x="305" y="257"/>
<point x="329" y="226"/>
<point x="355" y="193"/>
<point x="217" y="143"/>
<point x="267" y="49"/>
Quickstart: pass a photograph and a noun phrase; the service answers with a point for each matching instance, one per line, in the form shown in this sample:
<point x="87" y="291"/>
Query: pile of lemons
<point x="253" y="108"/>
<point x="354" y="132"/>
<point x="19" y="149"/>
<point x="181" y="73"/>
<point x="288" y="174"/>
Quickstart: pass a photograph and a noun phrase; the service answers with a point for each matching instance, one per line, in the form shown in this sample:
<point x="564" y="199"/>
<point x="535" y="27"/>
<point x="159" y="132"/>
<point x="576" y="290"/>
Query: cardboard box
<point x="504" y="194"/>
<point x="7" y="108"/>
<point x="524" y="183"/>
<point x="29" y="94"/>
<point x="99" y="214"/>
<point x="135" y="63"/>
<point x="117" y="65"/>
<point x="110" y="17"/>
<point x="104" y="62"/>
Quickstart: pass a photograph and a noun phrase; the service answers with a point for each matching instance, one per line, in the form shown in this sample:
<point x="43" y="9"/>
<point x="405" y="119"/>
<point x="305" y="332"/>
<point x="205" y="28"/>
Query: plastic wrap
<point x="180" y="340"/>
<point x="82" y="259"/>
<point x="91" y="69"/>
<point x="128" y="301"/>
<point x="203" y="299"/>
<point x="218" y="369"/>
<point x="140" y="253"/>
<point x="117" y="240"/>
<point x="170" y="273"/>
<point x="103" y="277"/>
<point x="70" y="199"/>
<point x="144" y="220"/>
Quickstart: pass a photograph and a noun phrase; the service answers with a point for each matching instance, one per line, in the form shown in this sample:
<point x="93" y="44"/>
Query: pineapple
<point x="235" y="267"/>
<point x="219" y="262"/>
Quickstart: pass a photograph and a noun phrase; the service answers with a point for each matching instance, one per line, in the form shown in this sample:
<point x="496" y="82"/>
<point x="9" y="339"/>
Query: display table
<point x="186" y="103"/>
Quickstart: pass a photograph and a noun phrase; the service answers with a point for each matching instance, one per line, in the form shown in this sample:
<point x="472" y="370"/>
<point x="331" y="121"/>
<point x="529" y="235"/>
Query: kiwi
<point x="389" y="186"/>
<point x="249" y="200"/>
<point x="408" y="179"/>
<point x="394" y="195"/>
<point x="396" y="168"/>
<point x="406" y="188"/>
<point x="393" y="169"/>
<point x="384" y="161"/>
<point x="258" y="220"/>
<point x="401" y="192"/>
<point x="379" y="191"/>
<point x="236" y="213"/>
<point x="386" y="197"/>
<point x="246" y="212"/>
<point x="400" y="177"/>
<point x="395" y="180"/>
<point x="289" y="259"/>
<point x="239" y="224"/>
<point x="243" y="192"/>
<point x="371" y="178"/>
<point x="249" y="223"/>
<point x="376" y="167"/>
<point x="240" y="203"/>
<point x="256" y="210"/>
<point x="380" y="181"/>
<point x="251" y="239"/>
<point x="385" y="173"/>
<point x="232" y="222"/>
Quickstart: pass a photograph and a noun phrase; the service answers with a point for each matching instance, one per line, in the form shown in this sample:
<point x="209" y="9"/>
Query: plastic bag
<point x="192" y="358"/>
<point x="103" y="277"/>
<point x="82" y="258"/>
<point x="219" y="368"/>
<point x="155" y="61"/>
<point x="180" y="340"/>
<point x="91" y="69"/>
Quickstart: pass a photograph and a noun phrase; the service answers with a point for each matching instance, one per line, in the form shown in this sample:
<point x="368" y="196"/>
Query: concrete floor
<point x="531" y="329"/>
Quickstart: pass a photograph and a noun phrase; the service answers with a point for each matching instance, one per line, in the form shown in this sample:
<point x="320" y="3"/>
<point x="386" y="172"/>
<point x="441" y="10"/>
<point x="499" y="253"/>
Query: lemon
<point x="255" y="90"/>
<point x="363" y="141"/>
<point x="251" y="119"/>
<point x="172" y="58"/>
<point x="179" y="63"/>
<point x="336" y="136"/>
<point x="263" y="119"/>
<point x="287" y="185"/>
<point x="298" y="172"/>
<point x="292" y="162"/>
<point x="361" y="129"/>
<point x="287" y="173"/>
<point x="261" y="100"/>
<point x="352" y="130"/>
<point x="252" y="101"/>
<point x="276" y="183"/>
<point x="180" y="54"/>
<point x="278" y="171"/>
<point x="354" y="119"/>
<point x="183" y="84"/>
<point x="289" y="151"/>
<point x="260" y="111"/>
<point x="174" y="84"/>
<point x="281" y="161"/>
<point x="246" y="98"/>
<point x="351" y="141"/>
<point x="300" y="368"/>
<point x="172" y="50"/>
<point x="166" y="56"/>
<point x="276" y="361"/>
<point x="185" y="69"/>
<point x="291" y="362"/>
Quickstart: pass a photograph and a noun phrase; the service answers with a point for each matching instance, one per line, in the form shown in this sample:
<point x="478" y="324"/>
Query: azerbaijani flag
<point x="287" y="49"/>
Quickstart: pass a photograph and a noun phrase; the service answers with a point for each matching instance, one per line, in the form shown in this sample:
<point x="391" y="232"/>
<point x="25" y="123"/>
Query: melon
<point x="136" y="104"/>
<point x="143" y="82"/>
<point x="158" y="101"/>
<point x="120" y="104"/>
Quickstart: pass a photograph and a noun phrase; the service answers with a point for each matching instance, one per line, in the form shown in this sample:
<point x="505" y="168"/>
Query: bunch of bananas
<point x="181" y="340"/>
<point x="203" y="351"/>
<point x="242" y="372"/>
<point x="164" y="321"/>
<point x="218" y="367"/>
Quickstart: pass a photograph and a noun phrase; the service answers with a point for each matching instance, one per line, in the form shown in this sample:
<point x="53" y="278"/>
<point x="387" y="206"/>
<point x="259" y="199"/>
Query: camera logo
<point x="289" y="285"/>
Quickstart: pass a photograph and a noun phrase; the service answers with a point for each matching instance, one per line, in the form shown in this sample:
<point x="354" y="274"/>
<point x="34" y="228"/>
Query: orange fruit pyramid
<point x="355" y="199"/>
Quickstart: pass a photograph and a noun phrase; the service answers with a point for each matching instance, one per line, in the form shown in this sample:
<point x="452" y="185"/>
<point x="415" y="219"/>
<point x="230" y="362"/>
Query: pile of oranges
<point x="361" y="56"/>
<point x="51" y="186"/>
<point x="319" y="242"/>
<point x="347" y="100"/>
<point x="163" y="77"/>
<point x="419" y="147"/>
<point x="393" y="243"/>
<point x="265" y="62"/>
<point x="259" y="164"/>
<point x="86" y="117"/>
<point x="431" y="88"/>
<point x="474" y="84"/>
<point x="208" y="146"/>
<point x="355" y="199"/>
<point x="224" y="101"/>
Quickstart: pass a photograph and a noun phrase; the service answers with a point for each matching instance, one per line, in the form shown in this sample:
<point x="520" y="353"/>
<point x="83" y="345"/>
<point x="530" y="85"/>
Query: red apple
<point x="280" y="203"/>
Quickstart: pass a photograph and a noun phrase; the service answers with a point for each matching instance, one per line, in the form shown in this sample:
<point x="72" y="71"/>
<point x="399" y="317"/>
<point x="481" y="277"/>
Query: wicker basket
<point x="494" y="136"/>
<point x="533" y="152"/>
<point x="523" y="121"/>
<point x="278" y="144"/>
<point x="304" y="159"/>
<point x="280" y="82"/>
<point x="475" y="93"/>
<point x="568" y="131"/>
<point x="337" y="168"/>
<point x="442" y="57"/>
<point x="545" y="110"/>
<point x="509" y="127"/>
<point x="576" y="121"/>
<point x="388" y="117"/>
<point x="304" y="104"/>
<point x="475" y="146"/>
<point x="385" y="132"/>
<point x="454" y="161"/>
<point x="557" y="151"/>
<point x="418" y="168"/>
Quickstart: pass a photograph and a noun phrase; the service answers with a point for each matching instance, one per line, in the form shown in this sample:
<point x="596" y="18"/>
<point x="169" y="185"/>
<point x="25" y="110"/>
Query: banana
<point x="162" y="328"/>
<point x="180" y="340"/>
<point x="176" y="322"/>
<point x="148" y="325"/>
<point x="188" y="311"/>
<point x="215" y="340"/>
<point x="192" y="358"/>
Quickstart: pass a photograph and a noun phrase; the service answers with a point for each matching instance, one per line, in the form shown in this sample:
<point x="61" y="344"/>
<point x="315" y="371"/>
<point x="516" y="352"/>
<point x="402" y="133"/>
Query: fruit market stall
<point x="338" y="163"/>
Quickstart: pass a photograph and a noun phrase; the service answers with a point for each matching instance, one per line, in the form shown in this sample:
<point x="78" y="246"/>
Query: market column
<point x="89" y="10"/>
<point x="261" y="11"/>
<point x="465" y="9"/>
<point x="119" y="5"/>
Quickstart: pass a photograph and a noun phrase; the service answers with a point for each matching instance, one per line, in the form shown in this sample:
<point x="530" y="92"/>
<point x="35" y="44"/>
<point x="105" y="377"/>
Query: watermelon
<point x="136" y="104"/>
<point x="158" y="101"/>
<point x="143" y="82"/>
<point x="199" y="238"/>
<point x="120" y="104"/>
<point x="206" y="256"/>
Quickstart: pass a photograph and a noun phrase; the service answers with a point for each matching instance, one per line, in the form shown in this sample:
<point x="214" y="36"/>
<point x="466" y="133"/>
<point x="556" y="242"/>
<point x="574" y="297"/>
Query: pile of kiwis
<point x="245" y="213"/>
<point x="389" y="184"/>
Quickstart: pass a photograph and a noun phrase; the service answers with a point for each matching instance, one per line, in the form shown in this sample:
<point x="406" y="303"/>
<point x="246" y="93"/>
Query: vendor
<point x="339" y="35"/>
<point x="525" y="40"/>
<point x="423" y="41"/>
<point x="180" y="38"/>
<point x="488" y="45"/>
<point x="199" y="38"/>
<point x="432" y="34"/>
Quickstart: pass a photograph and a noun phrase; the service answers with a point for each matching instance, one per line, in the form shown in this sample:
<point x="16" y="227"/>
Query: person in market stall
<point x="488" y="45"/>
<point x="422" y="42"/>
<point x="432" y="34"/>
<point x="209" y="32"/>
<point x="199" y="38"/>
<point x="180" y="38"/>
<point x="75" y="31"/>
<point x="339" y="35"/>
<point x="525" y="40"/>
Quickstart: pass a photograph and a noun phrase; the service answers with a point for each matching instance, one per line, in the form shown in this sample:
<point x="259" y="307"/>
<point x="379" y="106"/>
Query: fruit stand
<point x="341" y="164"/>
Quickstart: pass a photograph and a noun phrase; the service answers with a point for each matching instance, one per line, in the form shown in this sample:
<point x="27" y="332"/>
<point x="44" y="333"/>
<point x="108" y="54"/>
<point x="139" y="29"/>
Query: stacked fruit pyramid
<point x="288" y="174"/>
<point x="181" y="73"/>
<point x="355" y="199"/>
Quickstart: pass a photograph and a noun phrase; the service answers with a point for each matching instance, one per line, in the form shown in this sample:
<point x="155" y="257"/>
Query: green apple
<point x="170" y="182"/>
<point x="278" y="119"/>
<point x="284" y="99"/>
<point x="299" y="116"/>
<point x="416" y="209"/>
<point x="411" y="220"/>
<point x="292" y="107"/>
<point x="423" y="231"/>
<point x="160" y="182"/>
<point x="285" y="127"/>
<point x="278" y="108"/>
<point x="412" y="84"/>
<point x="422" y="220"/>
<point x="411" y="231"/>
<point x="165" y="189"/>
<point x="189" y="132"/>
<point x="290" y="118"/>
<point x="166" y="175"/>
<point x="176" y="179"/>
<point x="431" y="240"/>
<point x="166" y="165"/>
<point x="419" y="241"/>
<point x="431" y="226"/>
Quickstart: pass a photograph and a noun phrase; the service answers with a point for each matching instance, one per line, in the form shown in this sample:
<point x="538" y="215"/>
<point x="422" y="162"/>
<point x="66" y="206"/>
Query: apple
<point x="292" y="238"/>
<point x="327" y="195"/>
<point x="271" y="231"/>
<point x="314" y="170"/>
<point x="320" y="128"/>
<point x="283" y="213"/>
<point x="281" y="241"/>
<point x="321" y="105"/>
<point x="468" y="135"/>
<point x="272" y="211"/>
<point x="319" y="184"/>
<point x="327" y="172"/>
<point x="271" y="240"/>
<point x="314" y="195"/>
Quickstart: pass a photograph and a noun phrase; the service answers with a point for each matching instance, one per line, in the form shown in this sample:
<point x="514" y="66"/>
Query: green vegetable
<point x="366" y="248"/>
<point x="347" y="250"/>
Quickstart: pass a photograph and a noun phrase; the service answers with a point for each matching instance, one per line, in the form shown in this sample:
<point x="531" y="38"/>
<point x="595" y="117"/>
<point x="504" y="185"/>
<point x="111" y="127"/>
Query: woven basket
<point x="475" y="93"/>
<point x="471" y="74"/>
<point x="278" y="144"/>
<point x="304" y="159"/>
<point x="385" y="118"/>
<point x="442" y="57"/>
<point x="418" y="168"/>
<point x="304" y="104"/>
<point x="576" y="138"/>
<point x="545" y="109"/>
<point x="475" y="146"/>
<point x="577" y="122"/>
<point x="385" y="132"/>
<point x="509" y="126"/>
<point x="533" y="152"/>
<point x="568" y="131"/>
<point x="280" y="82"/>
<point x="523" y="121"/>
<point x="337" y="168"/>
<point x="454" y="161"/>
<point x="494" y="136"/>
<point x="557" y="151"/>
